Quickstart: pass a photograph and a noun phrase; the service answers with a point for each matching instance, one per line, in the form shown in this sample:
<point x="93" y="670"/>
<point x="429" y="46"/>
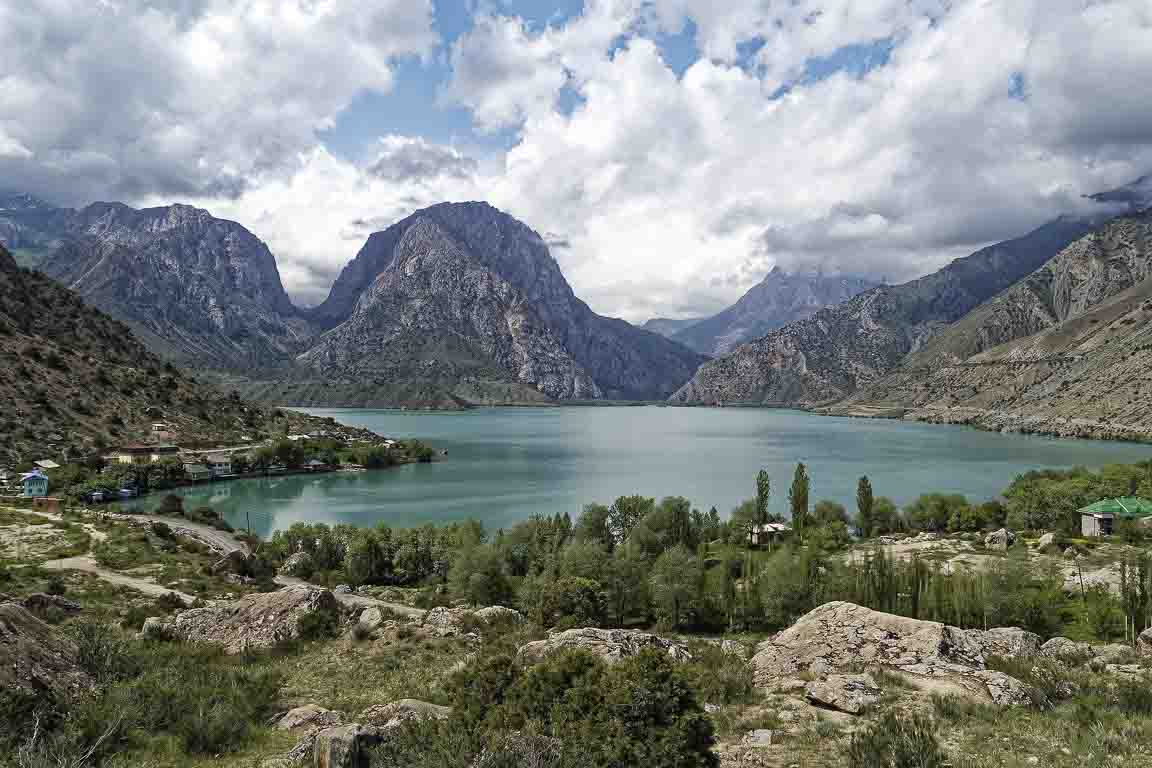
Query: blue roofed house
<point x="35" y="483"/>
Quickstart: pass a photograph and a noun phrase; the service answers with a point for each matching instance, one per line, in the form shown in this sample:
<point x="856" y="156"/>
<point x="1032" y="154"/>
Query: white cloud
<point x="670" y="193"/>
<point x="186" y="97"/>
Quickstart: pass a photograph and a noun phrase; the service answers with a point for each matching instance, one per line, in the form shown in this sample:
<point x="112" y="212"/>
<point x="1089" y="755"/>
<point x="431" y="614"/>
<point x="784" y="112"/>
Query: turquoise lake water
<point x="505" y="464"/>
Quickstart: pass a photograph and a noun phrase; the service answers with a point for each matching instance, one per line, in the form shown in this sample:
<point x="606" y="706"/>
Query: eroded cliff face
<point x="201" y="290"/>
<point x="841" y="348"/>
<point x="1065" y="351"/>
<point x="461" y="296"/>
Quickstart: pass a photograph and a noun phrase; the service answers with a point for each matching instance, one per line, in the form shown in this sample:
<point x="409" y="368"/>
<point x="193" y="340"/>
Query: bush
<point x="317" y="625"/>
<point x="905" y="741"/>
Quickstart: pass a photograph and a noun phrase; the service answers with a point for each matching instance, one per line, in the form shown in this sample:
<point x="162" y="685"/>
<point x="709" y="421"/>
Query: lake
<point x="506" y="464"/>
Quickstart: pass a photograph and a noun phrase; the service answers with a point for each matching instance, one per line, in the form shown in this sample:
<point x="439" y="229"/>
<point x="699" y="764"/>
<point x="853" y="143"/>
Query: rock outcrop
<point x="308" y="716"/>
<point x="397" y="713"/>
<point x="840" y="635"/>
<point x="297" y="565"/>
<point x="611" y="645"/>
<point x="35" y="656"/>
<point x="848" y="693"/>
<point x="1001" y="539"/>
<point x="258" y="620"/>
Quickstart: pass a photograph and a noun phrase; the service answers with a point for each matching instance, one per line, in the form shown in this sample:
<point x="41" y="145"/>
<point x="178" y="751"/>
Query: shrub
<point x="317" y="625"/>
<point x="905" y="741"/>
<point x="56" y="586"/>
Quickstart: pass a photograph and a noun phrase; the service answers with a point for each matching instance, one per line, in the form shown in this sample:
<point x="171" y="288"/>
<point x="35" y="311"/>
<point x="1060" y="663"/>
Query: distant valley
<point x="780" y="298"/>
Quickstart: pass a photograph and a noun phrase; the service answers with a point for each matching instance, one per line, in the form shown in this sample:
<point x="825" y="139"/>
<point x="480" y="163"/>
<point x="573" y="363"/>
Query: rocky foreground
<point x="836" y="664"/>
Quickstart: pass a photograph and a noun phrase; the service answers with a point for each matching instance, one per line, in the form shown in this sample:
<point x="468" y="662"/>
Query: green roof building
<point x="1099" y="519"/>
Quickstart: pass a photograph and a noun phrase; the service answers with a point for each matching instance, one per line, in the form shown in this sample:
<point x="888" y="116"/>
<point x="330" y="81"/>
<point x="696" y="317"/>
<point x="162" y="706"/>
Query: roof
<point x="315" y="463"/>
<point x="771" y="528"/>
<point x="47" y="464"/>
<point x="195" y="468"/>
<point x="1125" y="506"/>
<point x="34" y="474"/>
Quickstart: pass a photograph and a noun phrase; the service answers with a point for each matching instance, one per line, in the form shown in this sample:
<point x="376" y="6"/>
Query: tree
<point x="864" y="508"/>
<point x="763" y="494"/>
<point x="626" y="512"/>
<point x="798" y="497"/>
<point x="478" y="576"/>
<point x="932" y="511"/>
<point x="676" y="582"/>
<point x="626" y="584"/>
<point x="593" y="526"/>
<point x="885" y="516"/>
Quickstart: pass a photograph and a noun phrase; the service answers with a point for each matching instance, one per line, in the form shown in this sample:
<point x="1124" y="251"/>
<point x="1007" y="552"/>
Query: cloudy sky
<point x="671" y="150"/>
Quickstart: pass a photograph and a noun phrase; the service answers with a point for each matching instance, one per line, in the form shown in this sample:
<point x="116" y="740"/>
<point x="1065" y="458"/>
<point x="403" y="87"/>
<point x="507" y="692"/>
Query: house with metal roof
<point x="1099" y="519"/>
<point x="35" y="483"/>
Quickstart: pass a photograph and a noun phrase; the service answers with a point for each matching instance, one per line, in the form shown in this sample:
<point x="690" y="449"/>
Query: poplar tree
<point x="763" y="493"/>
<point x="798" y="496"/>
<point x="865" y="521"/>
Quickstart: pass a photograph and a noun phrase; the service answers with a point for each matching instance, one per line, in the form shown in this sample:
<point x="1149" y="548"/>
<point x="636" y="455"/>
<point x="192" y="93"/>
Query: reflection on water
<point x="505" y="464"/>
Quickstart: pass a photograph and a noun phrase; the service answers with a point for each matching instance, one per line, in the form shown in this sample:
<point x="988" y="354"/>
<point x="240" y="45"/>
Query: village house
<point x="1100" y="519"/>
<point x="35" y="483"/>
<point x="219" y="464"/>
<point x="141" y="454"/>
<point x="197" y="472"/>
<point x="767" y="534"/>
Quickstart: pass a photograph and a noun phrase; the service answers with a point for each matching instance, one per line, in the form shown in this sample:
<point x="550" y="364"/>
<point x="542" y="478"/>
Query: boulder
<point x="1144" y="643"/>
<point x="35" y="656"/>
<point x="157" y="628"/>
<point x="342" y="589"/>
<point x="299" y="565"/>
<point x="1006" y="690"/>
<point x="258" y="620"/>
<point x="344" y="746"/>
<point x="309" y="716"/>
<point x="611" y="645"/>
<point x="1068" y="651"/>
<point x="39" y="602"/>
<point x="1047" y="540"/>
<point x="446" y="622"/>
<point x="1111" y="653"/>
<point x="371" y="619"/>
<point x="498" y="613"/>
<point x="848" y="693"/>
<point x="757" y="739"/>
<point x="398" y="712"/>
<point x="839" y="635"/>
<point x="1009" y="642"/>
<point x="1001" y="539"/>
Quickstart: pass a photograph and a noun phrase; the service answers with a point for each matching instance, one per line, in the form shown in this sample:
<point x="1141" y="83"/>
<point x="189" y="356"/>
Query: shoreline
<point x="997" y="422"/>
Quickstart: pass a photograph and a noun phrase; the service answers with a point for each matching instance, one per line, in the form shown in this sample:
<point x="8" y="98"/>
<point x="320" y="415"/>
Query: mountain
<point x="76" y="379"/>
<point x="778" y="299"/>
<point x="667" y="326"/>
<point x="200" y="290"/>
<point x="460" y="301"/>
<point x="1064" y="351"/>
<point x="831" y="354"/>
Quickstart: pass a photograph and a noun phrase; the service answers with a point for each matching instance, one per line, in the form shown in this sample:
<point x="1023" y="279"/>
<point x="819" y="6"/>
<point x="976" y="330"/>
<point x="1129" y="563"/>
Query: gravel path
<point x="88" y="564"/>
